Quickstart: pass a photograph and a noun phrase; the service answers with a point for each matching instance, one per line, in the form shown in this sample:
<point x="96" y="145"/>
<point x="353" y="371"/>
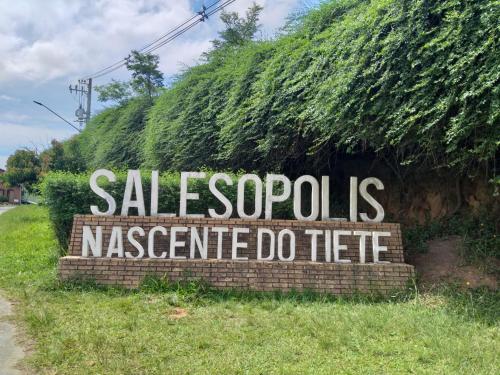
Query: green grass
<point x="84" y="329"/>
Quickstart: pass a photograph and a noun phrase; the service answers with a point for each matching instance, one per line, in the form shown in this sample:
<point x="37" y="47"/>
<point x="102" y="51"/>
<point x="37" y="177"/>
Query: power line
<point x="202" y="19"/>
<point x="122" y="62"/>
<point x="170" y="36"/>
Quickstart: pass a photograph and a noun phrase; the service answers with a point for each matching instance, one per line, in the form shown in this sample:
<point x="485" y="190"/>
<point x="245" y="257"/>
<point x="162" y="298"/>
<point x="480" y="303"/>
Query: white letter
<point x="196" y="241"/>
<point x="325" y="200"/>
<point x="219" y="231"/>
<point x="328" y="245"/>
<point x="353" y="202"/>
<point x="174" y="243"/>
<point x="151" y="242"/>
<point x="238" y="245"/>
<point x="185" y="195"/>
<point x="102" y="193"/>
<point x="270" y="197"/>
<point x="134" y="242"/>
<point x="260" y="233"/>
<point x="281" y="234"/>
<point x="297" y="198"/>
<point x="217" y="194"/>
<point x="133" y="181"/>
<point x="115" y="243"/>
<point x="362" y="243"/>
<point x="314" y="242"/>
<point x="241" y="196"/>
<point x="367" y="197"/>
<point x="89" y="240"/>
<point x="378" y="248"/>
<point x="337" y="246"/>
<point x="154" y="195"/>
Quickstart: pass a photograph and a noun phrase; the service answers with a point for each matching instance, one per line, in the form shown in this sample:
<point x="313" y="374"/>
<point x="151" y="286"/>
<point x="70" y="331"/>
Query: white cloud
<point x="8" y="98"/>
<point x="15" y="136"/>
<point x="44" y="40"/>
<point x="13" y="117"/>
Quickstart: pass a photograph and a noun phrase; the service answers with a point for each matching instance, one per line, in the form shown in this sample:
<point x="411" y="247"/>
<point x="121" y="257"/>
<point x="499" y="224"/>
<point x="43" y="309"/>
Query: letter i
<point x="354" y="200"/>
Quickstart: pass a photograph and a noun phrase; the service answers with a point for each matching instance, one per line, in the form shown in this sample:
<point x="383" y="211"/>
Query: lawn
<point x="82" y="329"/>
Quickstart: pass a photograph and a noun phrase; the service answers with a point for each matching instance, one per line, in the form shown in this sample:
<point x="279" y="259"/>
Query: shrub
<point x="67" y="194"/>
<point x="479" y="233"/>
<point x="3" y="199"/>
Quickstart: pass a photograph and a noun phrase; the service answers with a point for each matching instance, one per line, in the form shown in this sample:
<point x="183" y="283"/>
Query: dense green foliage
<point x="146" y="76"/>
<point x="147" y="80"/>
<point x="23" y="168"/>
<point x="238" y="30"/>
<point x="67" y="194"/>
<point x="115" y="91"/>
<point x="114" y="137"/>
<point x="63" y="156"/>
<point x="84" y="329"/>
<point x="410" y="82"/>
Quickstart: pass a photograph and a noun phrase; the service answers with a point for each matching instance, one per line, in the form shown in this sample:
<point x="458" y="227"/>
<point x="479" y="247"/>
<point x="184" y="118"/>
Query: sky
<point x="47" y="45"/>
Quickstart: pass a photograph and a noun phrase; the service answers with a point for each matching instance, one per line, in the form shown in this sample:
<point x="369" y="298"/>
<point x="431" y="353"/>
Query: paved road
<point x="10" y="351"/>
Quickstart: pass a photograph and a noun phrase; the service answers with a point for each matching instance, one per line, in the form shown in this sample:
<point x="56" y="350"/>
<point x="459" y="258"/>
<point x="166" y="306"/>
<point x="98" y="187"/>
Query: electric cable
<point x="168" y="37"/>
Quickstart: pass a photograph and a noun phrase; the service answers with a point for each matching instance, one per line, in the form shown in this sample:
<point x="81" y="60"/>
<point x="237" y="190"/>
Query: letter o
<point x="241" y="196"/>
<point x="297" y="198"/>
<point x="281" y="234"/>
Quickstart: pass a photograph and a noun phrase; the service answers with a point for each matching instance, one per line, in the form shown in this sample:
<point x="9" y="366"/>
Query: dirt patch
<point x="178" y="313"/>
<point x="443" y="263"/>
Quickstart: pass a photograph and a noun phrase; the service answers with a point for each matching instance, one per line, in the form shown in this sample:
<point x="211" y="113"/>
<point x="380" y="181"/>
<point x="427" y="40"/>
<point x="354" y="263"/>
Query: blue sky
<point x="47" y="45"/>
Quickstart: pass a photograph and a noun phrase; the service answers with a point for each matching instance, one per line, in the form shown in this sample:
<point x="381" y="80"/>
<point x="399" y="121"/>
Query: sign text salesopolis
<point x="193" y="242"/>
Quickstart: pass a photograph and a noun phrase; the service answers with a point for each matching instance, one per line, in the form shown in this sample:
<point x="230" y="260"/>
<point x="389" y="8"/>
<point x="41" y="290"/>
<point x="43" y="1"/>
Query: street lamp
<point x="62" y="118"/>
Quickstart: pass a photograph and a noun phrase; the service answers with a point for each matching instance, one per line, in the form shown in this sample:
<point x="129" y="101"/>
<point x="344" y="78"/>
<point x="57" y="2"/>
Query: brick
<point x="252" y="274"/>
<point x="345" y="279"/>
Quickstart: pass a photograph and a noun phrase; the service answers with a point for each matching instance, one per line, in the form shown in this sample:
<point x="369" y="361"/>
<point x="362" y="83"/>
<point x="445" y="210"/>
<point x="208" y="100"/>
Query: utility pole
<point x="84" y="90"/>
<point x="89" y="98"/>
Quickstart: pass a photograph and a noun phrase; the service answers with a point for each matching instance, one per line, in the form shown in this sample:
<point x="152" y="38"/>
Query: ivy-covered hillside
<point x="409" y="82"/>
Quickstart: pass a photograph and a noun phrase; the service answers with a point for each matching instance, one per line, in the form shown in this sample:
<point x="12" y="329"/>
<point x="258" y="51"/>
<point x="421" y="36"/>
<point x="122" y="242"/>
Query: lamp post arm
<point x="62" y="118"/>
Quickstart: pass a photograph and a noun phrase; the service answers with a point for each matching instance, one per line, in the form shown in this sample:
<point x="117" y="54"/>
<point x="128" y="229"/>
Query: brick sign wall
<point x="232" y="258"/>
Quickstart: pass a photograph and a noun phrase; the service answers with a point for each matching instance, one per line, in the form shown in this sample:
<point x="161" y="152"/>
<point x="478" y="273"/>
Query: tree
<point x="23" y="168"/>
<point x="52" y="159"/>
<point x="146" y="80"/>
<point x="62" y="156"/>
<point x="238" y="30"/>
<point x="146" y="77"/>
<point x="115" y="91"/>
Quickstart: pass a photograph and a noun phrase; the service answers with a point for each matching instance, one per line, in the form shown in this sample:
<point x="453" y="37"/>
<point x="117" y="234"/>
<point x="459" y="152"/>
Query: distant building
<point x="13" y="193"/>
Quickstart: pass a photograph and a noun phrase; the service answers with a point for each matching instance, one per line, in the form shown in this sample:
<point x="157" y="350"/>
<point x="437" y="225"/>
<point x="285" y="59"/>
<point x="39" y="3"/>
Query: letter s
<point x="102" y="193"/>
<point x="367" y="197"/>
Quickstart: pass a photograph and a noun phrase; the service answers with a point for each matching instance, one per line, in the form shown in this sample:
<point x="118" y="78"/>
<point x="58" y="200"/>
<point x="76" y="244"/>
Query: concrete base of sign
<point x="334" y="278"/>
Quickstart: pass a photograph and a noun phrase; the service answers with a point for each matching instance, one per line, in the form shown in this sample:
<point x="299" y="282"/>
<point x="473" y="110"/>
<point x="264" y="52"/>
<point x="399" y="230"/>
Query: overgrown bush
<point x="3" y="199"/>
<point x="114" y="138"/>
<point x="480" y="234"/>
<point x="415" y="83"/>
<point x="67" y="194"/>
